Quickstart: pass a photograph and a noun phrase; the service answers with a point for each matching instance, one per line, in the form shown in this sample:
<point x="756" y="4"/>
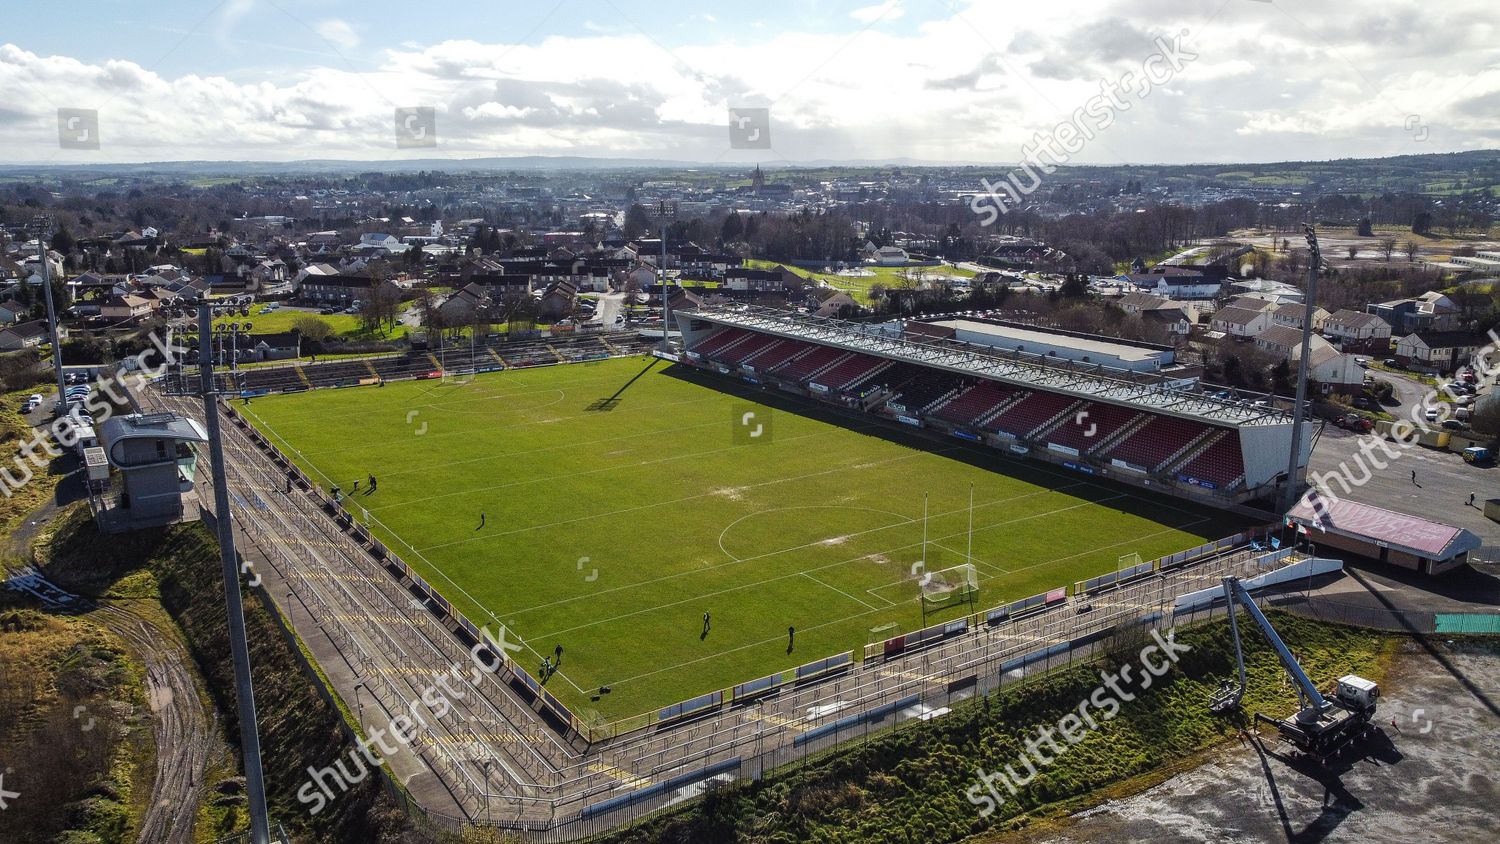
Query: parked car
<point x="1392" y="362"/>
<point x="1362" y="361"/>
<point x="30" y="405"/>
<point x="1431" y="414"/>
<point x="331" y="311"/>
<point x="1453" y="425"/>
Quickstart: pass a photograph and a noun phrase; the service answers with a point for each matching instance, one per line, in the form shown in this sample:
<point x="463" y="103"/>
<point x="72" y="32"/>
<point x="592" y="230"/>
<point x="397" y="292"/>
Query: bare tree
<point x="1411" y="248"/>
<point x="1387" y="247"/>
<point x="1353" y="251"/>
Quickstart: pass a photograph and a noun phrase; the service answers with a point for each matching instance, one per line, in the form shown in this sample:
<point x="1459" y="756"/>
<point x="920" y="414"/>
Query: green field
<point x="859" y="286"/>
<point x="622" y="500"/>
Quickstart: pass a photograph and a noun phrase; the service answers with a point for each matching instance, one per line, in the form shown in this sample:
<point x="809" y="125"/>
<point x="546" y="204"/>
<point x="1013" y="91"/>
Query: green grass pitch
<point x="622" y="500"/>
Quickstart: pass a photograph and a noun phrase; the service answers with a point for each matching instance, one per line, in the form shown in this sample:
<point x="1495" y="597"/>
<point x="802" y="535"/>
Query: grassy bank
<point x="910" y="785"/>
<point x="75" y="731"/>
<point x="179" y="568"/>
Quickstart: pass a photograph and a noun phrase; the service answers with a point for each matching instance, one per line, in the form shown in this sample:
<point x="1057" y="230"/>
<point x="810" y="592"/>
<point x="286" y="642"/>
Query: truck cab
<point x="1356" y="693"/>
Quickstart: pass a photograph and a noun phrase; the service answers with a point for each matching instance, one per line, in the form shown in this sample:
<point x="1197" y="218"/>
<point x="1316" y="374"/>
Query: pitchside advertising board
<point x="965" y="435"/>
<point x="816" y="387"/>
<point x="909" y="420"/>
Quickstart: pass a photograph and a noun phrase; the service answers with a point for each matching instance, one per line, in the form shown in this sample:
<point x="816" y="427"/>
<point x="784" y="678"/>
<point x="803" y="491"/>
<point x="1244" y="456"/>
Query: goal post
<point x="1129" y="560"/>
<point x="949" y="587"/>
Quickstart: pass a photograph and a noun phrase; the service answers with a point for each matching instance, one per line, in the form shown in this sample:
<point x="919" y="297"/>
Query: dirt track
<point x="1433" y="776"/>
<point x="184" y="733"/>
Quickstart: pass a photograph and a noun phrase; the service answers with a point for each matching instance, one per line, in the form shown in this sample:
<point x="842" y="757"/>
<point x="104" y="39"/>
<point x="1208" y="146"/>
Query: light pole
<point x="665" y="212"/>
<point x="1309" y="301"/>
<point x="359" y="705"/>
<point x="42" y="225"/>
<point x="485" y="765"/>
<point x="255" y="791"/>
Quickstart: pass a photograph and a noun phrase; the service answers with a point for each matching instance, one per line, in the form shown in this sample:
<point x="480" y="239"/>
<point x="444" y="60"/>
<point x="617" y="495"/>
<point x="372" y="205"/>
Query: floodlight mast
<point x="43" y="226"/>
<point x="255" y="791"/>
<point x="665" y="211"/>
<point x="1309" y="301"/>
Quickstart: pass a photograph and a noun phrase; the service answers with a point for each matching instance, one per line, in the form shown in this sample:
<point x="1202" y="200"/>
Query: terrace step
<point x="1010" y="401"/>
<point x="1187" y="453"/>
<point x="1140" y="421"/>
<point x="1046" y="427"/>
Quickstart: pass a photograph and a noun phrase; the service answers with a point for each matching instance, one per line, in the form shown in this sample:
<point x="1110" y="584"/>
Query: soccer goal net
<point x="948" y="587"/>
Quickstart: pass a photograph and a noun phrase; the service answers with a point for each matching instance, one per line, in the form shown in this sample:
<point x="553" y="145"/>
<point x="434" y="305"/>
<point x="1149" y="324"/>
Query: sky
<point x="972" y="81"/>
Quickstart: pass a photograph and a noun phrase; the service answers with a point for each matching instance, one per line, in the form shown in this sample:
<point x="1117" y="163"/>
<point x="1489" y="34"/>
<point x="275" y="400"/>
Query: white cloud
<point x="887" y="11"/>
<point x="965" y="86"/>
<point x="338" y="33"/>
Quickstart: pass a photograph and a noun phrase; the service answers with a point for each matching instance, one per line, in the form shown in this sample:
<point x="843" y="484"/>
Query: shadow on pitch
<point x="605" y="405"/>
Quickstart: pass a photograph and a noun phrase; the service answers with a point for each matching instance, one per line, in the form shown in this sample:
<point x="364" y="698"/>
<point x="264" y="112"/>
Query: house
<point x="25" y="335"/>
<point x="1177" y="318"/>
<point x="127" y="307"/>
<point x="1358" y="333"/>
<point x="778" y="279"/>
<point x="284" y="345"/>
<point x="1176" y="283"/>
<point x="1293" y="315"/>
<point x="12" y="312"/>
<point x="1283" y="340"/>
<point x="1431" y="311"/>
<point x="557" y="300"/>
<point x="343" y="290"/>
<point x="1240" y="323"/>
<point x="1337" y="372"/>
<point x="1437" y="351"/>
<point x="833" y="303"/>
<point x="465" y="304"/>
<point x="380" y="243"/>
<point x="890" y="256"/>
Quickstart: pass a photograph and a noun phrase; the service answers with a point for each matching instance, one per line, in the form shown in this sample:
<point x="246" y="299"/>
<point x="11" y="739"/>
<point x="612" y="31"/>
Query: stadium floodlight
<point x="42" y="226"/>
<point x="1309" y="301"/>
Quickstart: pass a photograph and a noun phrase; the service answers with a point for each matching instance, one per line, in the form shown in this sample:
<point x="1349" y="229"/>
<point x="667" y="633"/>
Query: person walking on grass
<point x="481" y="522"/>
<point x="372" y="484"/>
<point x="705" y="624"/>
<point x="791" y="638"/>
<point x="355" y="488"/>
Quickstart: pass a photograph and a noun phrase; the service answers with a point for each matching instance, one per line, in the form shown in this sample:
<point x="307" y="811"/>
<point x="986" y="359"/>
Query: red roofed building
<point x="1407" y="541"/>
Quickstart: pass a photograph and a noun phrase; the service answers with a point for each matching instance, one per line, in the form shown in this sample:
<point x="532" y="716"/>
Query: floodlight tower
<point x="666" y="211"/>
<point x="1309" y="300"/>
<point x="255" y="789"/>
<point x="42" y="226"/>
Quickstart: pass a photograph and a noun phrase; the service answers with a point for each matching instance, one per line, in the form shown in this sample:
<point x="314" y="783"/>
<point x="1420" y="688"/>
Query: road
<point x="1443" y="482"/>
<point x="609" y="306"/>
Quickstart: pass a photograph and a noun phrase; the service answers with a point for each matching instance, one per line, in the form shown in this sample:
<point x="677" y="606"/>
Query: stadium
<point x="796" y="530"/>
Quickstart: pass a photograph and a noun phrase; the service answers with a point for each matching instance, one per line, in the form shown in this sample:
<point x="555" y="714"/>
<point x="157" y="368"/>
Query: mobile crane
<point x="1320" y="726"/>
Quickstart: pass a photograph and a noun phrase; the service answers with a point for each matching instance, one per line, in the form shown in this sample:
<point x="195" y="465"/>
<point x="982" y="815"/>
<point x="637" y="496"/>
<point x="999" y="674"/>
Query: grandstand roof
<point x="1090" y="381"/>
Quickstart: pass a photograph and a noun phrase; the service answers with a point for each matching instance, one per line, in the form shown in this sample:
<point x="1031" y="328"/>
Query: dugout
<point x="1410" y="542"/>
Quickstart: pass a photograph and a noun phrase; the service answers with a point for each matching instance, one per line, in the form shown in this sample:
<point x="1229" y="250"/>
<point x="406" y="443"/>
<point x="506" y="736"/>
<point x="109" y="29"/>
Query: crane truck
<point x="1321" y="725"/>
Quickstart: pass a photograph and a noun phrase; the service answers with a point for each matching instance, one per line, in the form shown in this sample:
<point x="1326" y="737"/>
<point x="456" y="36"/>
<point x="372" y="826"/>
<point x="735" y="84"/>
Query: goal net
<point x="948" y="587"/>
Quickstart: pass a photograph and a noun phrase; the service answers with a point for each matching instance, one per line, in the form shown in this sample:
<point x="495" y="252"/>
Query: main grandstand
<point x="1138" y="427"/>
